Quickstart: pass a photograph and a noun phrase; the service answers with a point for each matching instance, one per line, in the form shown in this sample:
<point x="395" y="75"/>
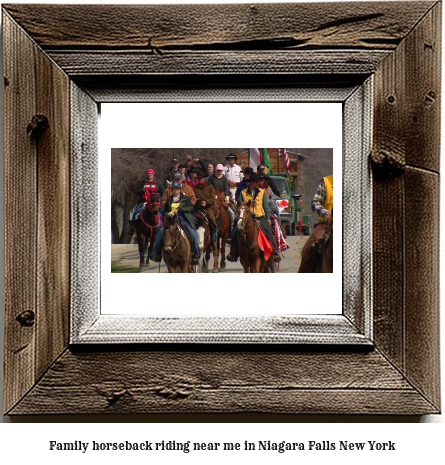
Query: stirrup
<point x="156" y="257"/>
<point x="195" y="260"/>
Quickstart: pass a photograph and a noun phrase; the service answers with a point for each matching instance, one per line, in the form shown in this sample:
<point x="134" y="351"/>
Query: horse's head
<point x="244" y="214"/>
<point x="154" y="202"/>
<point x="170" y="233"/>
<point x="220" y="195"/>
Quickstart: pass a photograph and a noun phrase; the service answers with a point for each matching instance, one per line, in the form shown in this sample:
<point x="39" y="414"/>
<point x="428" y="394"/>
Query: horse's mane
<point x="168" y="220"/>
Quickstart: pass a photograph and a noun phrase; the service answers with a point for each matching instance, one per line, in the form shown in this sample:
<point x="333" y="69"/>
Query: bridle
<point x="181" y="233"/>
<point x="242" y="226"/>
<point x="158" y="216"/>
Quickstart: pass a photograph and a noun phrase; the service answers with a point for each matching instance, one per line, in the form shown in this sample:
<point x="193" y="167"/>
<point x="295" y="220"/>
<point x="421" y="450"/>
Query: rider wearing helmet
<point x="322" y="204"/>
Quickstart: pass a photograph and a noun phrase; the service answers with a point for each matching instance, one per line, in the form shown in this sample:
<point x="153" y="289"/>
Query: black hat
<point x="201" y="175"/>
<point x="260" y="167"/>
<point x="231" y="156"/>
<point x="175" y="160"/>
<point x="253" y="177"/>
<point x="248" y="170"/>
<point x="194" y="169"/>
<point x="177" y="175"/>
<point x="176" y="185"/>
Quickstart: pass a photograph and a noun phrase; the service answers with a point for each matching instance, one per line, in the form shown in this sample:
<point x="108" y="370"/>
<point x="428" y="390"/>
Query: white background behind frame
<point x="218" y="125"/>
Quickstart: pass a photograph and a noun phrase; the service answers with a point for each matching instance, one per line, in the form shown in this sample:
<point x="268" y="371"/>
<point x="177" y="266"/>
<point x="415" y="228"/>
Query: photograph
<point x="222" y="210"/>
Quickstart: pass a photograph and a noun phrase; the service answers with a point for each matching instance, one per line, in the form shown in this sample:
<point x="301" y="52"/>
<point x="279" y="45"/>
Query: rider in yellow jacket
<point x="261" y="213"/>
<point x="322" y="204"/>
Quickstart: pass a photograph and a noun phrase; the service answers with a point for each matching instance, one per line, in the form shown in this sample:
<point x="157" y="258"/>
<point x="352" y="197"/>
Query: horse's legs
<point x="216" y="255"/>
<point x="141" y="247"/>
<point x="222" y="265"/>
<point x="149" y="251"/>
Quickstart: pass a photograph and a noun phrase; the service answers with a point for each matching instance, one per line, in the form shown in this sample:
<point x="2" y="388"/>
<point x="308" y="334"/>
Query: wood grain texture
<point x="53" y="201"/>
<point x="422" y="281"/>
<point x="159" y="27"/>
<point x="20" y="212"/>
<point x="407" y="134"/>
<point x="122" y="63"/>
<point x="423" y="91"/>
<point x="217" y="382"/>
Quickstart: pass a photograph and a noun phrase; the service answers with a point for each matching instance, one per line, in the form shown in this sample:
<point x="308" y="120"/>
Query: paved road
<point x="128" y="255"/>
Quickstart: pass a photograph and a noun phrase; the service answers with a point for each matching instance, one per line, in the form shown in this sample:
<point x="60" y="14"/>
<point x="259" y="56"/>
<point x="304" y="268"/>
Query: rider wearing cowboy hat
<point x="179" y="204"/>
<point x="205" y="196"/>
<point x="260" y="211"/>
<point x="322" y="204"/>
<point x="233" y="174"/>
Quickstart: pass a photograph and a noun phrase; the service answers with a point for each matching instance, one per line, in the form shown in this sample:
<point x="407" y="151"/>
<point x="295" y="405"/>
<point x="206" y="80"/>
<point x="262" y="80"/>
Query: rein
<point x="158" y="217"/>
<point x="181" y="235"/>
<point x="247" y="245"/>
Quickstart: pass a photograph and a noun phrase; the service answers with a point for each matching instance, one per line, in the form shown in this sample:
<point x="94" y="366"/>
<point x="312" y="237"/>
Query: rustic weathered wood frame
<point x="85" y="54"/>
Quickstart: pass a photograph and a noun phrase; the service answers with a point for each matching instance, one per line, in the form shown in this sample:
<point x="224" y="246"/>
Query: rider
<point x="322" y="204"/>
<point x="144" y="190"/>
<point x="168" y="178"/>
<point x="219" y="182"/>
<point x="233" y="174"/>
<point x="192" y="181"/>
<point x="261" y="212"/>
<point x="187" y="190"/>
<point x="180" y="204"/>
<point x="205" y="194"/>
<point x="244" y="184"/>
<point x="261" y="171"/>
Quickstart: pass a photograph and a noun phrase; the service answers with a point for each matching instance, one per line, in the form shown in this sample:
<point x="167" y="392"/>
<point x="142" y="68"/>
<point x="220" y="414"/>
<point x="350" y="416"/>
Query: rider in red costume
<point x="144" y="190"/>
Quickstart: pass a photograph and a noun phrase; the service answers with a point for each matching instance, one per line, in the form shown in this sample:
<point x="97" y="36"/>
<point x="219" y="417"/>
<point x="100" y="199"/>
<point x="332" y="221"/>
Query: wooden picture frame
<point x="76" y="56"/>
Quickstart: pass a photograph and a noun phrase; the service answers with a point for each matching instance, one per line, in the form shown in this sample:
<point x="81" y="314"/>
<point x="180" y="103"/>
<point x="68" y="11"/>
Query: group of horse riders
<point x="197" y="182"/>
<point x="194" y="181"/>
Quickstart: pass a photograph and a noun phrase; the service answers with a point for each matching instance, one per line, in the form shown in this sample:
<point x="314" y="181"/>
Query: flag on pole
<point x="254" y="158"/>
<point x="285" y="157"/>
<point x="266" y="161"/>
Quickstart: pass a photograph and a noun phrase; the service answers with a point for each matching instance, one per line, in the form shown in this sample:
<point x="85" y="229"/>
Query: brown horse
<point x="176" y="247"/>
<point x="251" y="256"/>
<point x="146" y="228"/>
<point x="223" y="225"/>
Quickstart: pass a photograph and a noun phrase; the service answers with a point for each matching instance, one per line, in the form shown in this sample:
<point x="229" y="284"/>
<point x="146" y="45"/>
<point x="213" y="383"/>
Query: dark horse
<point x="146" y="228"/>
<point x="251" y="256"/>
<point x="327" y="250"/>
<point x="176" y="247"/>
<point x="223" y="225"/>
